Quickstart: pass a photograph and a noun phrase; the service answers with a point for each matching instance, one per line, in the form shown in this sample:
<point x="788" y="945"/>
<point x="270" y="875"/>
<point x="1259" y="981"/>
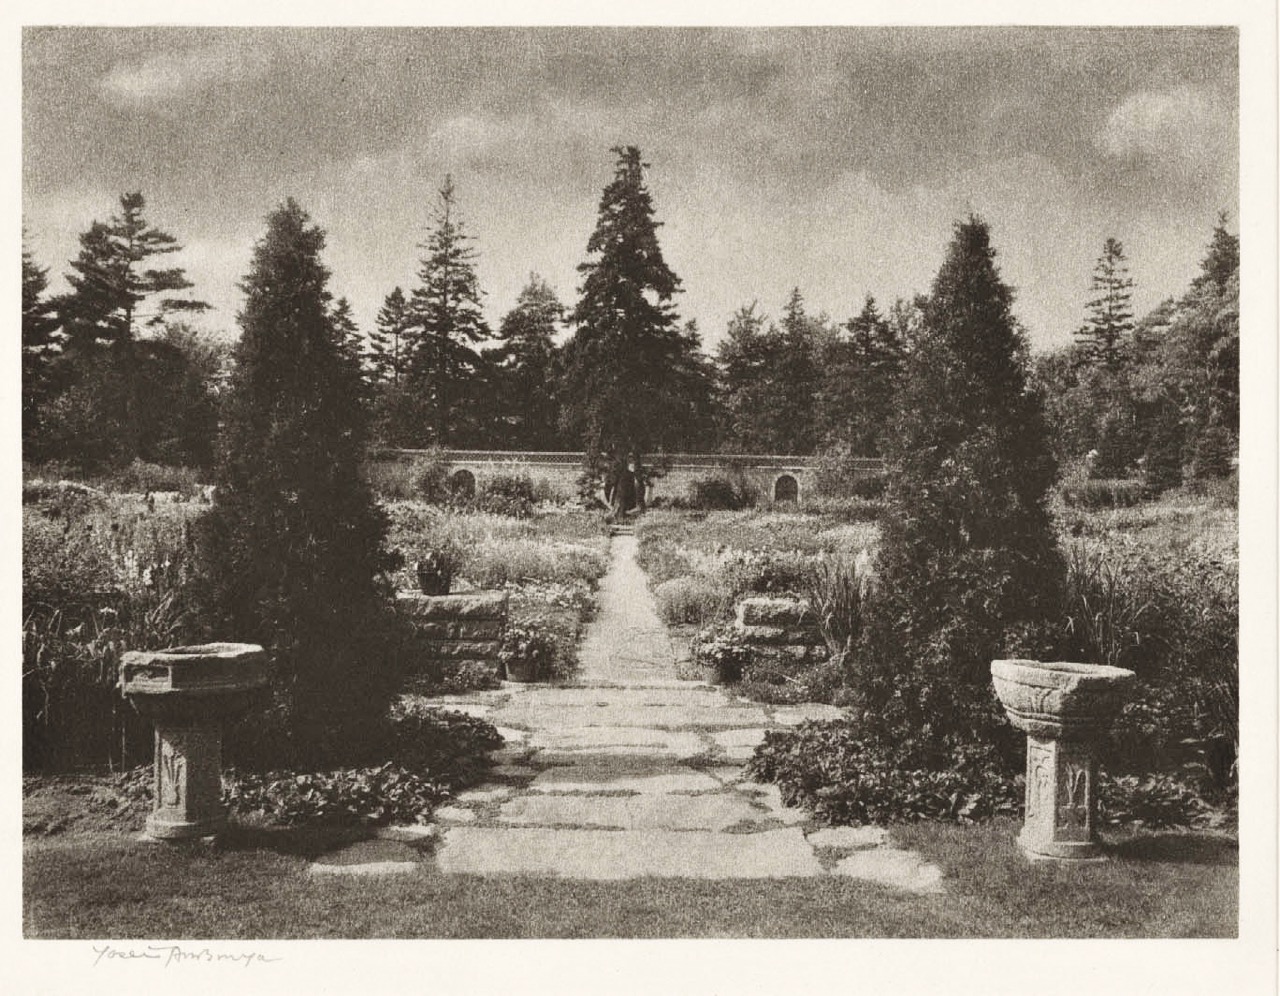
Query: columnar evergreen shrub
<point x="294" y="544"/>
<point x="968" y="564"/>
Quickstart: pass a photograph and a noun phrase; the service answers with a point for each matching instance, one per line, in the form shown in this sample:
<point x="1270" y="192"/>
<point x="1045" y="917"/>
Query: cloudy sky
<point x="831" y="159"/>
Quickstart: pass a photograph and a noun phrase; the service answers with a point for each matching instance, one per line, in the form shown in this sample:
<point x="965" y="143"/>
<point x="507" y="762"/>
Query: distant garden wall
<point x="779" y="478"/>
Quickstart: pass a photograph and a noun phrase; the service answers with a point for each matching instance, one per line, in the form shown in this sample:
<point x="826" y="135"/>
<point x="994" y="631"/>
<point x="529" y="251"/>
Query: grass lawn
<point x="255" y="885"/>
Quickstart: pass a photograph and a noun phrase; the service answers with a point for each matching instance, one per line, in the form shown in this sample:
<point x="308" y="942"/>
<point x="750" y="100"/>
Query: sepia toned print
<point x="627" y="483"/>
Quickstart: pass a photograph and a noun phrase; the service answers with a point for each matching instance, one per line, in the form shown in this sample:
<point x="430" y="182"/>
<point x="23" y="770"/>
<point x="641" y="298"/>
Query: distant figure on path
<point x="624" y="487"/>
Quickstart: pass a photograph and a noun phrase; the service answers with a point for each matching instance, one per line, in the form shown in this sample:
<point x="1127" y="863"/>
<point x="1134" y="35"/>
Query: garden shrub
<point x="722" y="491"/>
<point x="293" y="549"/>
<point x="722" y="647"/>
<point x="1174" y="621"/>
<point x="95" y="585"/>
<point x="511" y="494"/>
<point x="1152" y="802"/>
<point x="765" y="572"/>
<point x="142" y="477"/>
<point x="1097" y="493"/>
<point x="968" y="568"/>
<point x="343" y="797"/>
<point x="846" y="773"/>
<point x="432" y="753"/>
<point x="531" y="641"/>
<point x="694" y="599"/>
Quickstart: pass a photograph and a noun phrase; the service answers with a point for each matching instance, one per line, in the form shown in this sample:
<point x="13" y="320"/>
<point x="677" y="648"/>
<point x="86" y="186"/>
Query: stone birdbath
<point x="189" y="693"/>
<point x="1064" y="709"/>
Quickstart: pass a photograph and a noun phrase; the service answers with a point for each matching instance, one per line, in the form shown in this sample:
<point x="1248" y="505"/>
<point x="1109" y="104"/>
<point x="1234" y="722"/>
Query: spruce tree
<point x="860" y="377"/>
<point x="742" y="356"/>
<point x="294" y="543"/>
<point x="444" y="328"/>
<point x="968" y="563"/>
<point x="632" y="380"/>
<point x="387" y="352"/>
<point x="797" y="378"/>
<point x="525" y="363"/>
<point x="1107" y="332"/>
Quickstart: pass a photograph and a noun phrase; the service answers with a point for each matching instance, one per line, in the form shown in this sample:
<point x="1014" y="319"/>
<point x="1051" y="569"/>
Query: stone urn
<point x="189" y="693"/>
<point x="1064" y="709"/>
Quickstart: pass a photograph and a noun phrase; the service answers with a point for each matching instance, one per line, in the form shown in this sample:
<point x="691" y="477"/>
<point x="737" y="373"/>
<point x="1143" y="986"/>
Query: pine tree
<point x="445" y="326"/>
<point x="1107" y="331"/>
<point x="525" y="364"/>
<point x="632" y="381"/>
<point x="39" y="353"/>
<point x="114" y="294"/>
<point x="112" y="290"/>
<point x="968" y="562"/>
<point x="293" y="545"/>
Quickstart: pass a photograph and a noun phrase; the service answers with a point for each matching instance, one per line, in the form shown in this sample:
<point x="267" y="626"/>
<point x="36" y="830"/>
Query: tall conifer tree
<point x="968" y="561"/>
<point x="1106" y="333"/>
<point x="632" y="379"/>
<point x="445" y="326"/>
<point x="294" y="545"/>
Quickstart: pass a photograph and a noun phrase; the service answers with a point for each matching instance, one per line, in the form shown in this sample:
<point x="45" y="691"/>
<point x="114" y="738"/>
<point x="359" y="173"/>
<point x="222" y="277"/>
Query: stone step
<point x="618" y="854"/>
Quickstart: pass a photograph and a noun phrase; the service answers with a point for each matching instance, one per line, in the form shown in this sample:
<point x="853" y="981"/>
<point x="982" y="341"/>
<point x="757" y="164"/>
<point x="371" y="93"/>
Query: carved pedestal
<point x="1061" y="809"/>
<point x="189" y="692"/>
<point x="188" y="783"/>
<point x="1064" y="708"/>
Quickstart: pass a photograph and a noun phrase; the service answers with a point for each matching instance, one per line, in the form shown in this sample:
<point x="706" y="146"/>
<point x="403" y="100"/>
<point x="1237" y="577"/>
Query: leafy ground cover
<point x="254" y="885"/>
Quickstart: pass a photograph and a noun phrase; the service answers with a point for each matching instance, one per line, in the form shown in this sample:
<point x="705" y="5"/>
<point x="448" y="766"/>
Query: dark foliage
<point x="968" y="564"/>
<point x="293" y="546"/>
<point x="846" y="773"/>
<point x="633" y="381"/>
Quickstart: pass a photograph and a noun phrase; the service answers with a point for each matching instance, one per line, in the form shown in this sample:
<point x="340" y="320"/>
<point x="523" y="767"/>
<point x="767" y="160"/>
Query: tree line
<point x="112" y="373"/>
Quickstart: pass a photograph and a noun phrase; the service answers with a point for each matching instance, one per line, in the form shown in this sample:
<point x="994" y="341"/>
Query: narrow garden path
<point x="630" y="771"/>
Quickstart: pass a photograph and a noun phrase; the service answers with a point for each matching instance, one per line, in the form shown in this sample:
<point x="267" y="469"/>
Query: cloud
<point x="173" y="75"/>
<point x="1183" y="126"/>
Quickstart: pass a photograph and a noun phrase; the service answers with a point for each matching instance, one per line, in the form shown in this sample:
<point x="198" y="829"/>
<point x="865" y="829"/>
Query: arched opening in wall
<point x="462" y="483"/>
<point x="786" y="488"/>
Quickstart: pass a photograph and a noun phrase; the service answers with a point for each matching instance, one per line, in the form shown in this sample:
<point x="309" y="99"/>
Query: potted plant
<point x="721" y="653"/>
<point x="436" y="567"/>
<point x="527" y="652"/>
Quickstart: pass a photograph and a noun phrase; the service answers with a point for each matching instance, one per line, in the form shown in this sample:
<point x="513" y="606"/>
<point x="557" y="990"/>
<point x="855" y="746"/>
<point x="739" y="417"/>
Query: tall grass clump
<point x="96" y="584"/>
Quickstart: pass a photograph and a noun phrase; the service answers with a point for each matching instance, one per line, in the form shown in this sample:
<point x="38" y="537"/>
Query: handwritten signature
<point x="175" y="954"/>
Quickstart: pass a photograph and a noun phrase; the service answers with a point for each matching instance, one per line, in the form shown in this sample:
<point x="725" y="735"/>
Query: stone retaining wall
<point x="782" y="632"/>
<point x="463" y="627"/>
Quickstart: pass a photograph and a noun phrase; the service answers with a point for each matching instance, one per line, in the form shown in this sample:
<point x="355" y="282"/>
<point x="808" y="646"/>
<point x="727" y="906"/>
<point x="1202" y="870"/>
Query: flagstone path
<point x="630" y="771"/>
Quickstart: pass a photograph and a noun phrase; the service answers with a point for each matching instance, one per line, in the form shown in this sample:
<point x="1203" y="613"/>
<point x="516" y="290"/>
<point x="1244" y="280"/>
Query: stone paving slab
<point x="740" y="738"/>
<point x="637" y="812"/>
<point x="617" y="854"/>
<point x="604" y="778"/>
<point x="618" y="739"/>
<point x="613" y="696"/>
<point x="659" y="717"/>
<point x="904" y="870"/>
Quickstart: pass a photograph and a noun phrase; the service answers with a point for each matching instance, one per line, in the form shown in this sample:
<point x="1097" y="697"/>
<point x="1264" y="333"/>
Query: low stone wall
<point x="462" y="627"/>
<point x="782" y="633"/>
